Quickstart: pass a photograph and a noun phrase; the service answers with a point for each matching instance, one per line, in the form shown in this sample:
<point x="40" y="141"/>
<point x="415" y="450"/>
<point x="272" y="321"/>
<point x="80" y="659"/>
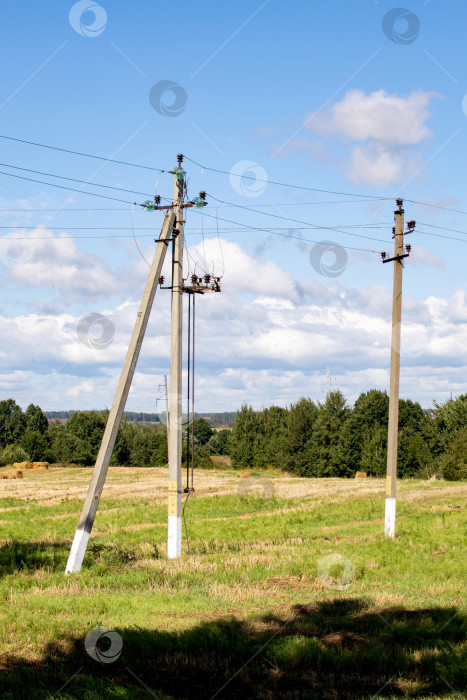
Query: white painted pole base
<point x="390" y="517"/>
<point x="174" y="545"/>
<point x="77" y="552"/>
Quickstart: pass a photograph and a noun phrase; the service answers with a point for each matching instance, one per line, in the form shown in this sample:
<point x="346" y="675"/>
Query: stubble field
<point x="286" y="589"/>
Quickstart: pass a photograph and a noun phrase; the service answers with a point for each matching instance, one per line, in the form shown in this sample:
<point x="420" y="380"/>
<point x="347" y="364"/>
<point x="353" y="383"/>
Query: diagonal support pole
<point x="91" y="503"/>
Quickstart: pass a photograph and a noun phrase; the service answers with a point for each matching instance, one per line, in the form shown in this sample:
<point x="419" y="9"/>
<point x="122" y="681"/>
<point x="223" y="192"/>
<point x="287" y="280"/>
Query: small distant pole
<point x="328" y="382"/>
<point x="393" y="425"/>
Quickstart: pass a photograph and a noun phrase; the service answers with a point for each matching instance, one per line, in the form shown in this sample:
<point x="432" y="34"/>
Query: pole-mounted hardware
<point x="172" y="232"/>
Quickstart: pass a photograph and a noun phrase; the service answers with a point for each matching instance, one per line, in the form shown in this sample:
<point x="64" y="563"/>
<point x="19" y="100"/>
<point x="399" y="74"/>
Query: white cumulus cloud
<point x="387" y="119"/>
<point x="266" y="339"/>
<point x="382" y="129"/>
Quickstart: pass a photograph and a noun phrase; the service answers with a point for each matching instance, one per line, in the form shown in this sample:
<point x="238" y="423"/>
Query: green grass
<point x="248" y="605"/>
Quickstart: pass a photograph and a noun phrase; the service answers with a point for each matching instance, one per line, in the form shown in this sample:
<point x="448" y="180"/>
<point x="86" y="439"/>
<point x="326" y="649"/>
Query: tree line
<point x="29" y="435"/>
<point x="225" y="418"/>
<point x="329" y="439"/>
<point x="332" y="439"/>
<point x="137" y="416"/>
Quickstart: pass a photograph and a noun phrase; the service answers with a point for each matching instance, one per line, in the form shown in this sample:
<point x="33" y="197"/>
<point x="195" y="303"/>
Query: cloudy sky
<point x="303" y="124"/>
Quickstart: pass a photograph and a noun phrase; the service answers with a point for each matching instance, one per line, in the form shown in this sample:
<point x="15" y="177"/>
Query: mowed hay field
<point x="288" y="590"/>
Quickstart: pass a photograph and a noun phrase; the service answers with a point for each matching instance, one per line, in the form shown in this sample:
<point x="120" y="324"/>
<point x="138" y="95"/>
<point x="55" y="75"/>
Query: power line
<point x="73" y="179"/>
<point x="244" y="229"/>
<point x="360" y="197"/>
<point x="134" y="237"/>
<point x="66" y="238"/>
<point x="435" y="206"/>
<point x="297" y="221"/>
<point x="86" y="155"/>
<point x="151" y="228"/>
<point x="230" y="204"/>
<point x="300" y="238"/>
<point x="82" y="228"/>
<point x="300" y="204"/>
<point x="439" y="235"/>
<point x="285" y="184"/>
<point x="369" y="197"/>
<point x="141" y="235"/>
<point x="443" y="228"/>
<point x="63" y="187"/>
<point x="26" y="211"/>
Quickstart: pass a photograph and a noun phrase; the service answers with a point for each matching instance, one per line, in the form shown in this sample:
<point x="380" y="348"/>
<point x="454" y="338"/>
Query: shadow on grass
<point x="26" y="556"/>
<point x="17" y="556"/>
<point x="335" y="649"/>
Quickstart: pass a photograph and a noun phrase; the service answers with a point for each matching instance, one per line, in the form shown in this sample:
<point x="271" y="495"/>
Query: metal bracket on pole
<point x="396" y="257"/>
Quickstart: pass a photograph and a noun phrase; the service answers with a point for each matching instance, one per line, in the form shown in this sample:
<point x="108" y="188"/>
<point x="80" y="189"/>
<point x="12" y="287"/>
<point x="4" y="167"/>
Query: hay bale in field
<point x="221" y="461"/>
<point x="40" y="465"/>
<point x="360" y="475"/>
<point x="13" y="475"/>
<point x="22" y="465"/>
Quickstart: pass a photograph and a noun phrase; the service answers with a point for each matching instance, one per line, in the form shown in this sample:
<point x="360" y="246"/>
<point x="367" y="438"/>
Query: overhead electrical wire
<point x="196" y="263"/>
<point x="68" y="238"/>
<point x="220" y="245"/>
<point x="56" y="210"/>
<point x="244" y="229"/>
<point x="73" y="179"/>
<point x="134" y="237"/>
<point x="272" y="230"/>
<point x="275" y="230"/>
<point x="62" y="187"/>
<point x="359" y="196"/>
<point x="316" y="189"/>
<point x="443" y="228"/>
<point x="300" y="238"/>
<point x="435" y="206"/>
<point x="332" y="228"/>
<point x="81" y="228"/>
<point x="284" y="184"/>
<point x="305" y="223"/>
<point x="86" y="155"/>
<point x="300" y="204"/>
<point x="200" y="231"/>
<point x="439" y="235"/>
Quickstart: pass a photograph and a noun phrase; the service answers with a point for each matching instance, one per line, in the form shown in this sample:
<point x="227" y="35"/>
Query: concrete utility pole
<point x="174" y="544"/>
<point x="167" y="412"/>
<point x="91" y="503"/>
<point x="393" y="425"/>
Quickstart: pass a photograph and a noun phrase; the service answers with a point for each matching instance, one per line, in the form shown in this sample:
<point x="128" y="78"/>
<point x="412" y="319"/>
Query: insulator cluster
<point x="206" y="281"/>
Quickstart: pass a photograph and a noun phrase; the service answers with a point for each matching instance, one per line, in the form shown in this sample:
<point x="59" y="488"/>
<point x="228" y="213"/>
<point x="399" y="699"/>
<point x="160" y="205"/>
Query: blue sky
<point x="334" y="96"/>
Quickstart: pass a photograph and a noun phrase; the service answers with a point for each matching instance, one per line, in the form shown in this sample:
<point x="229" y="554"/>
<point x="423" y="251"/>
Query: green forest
<point x="329" y="439"/>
